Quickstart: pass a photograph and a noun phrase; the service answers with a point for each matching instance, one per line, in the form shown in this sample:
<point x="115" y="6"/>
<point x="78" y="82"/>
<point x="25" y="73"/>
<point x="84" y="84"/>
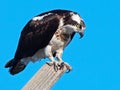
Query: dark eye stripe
<point x="82" y="23"/>
<point x="69" y="21"/>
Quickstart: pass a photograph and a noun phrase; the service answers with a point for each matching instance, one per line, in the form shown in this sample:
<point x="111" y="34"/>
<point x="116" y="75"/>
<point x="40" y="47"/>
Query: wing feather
<point x="36" y="35"/>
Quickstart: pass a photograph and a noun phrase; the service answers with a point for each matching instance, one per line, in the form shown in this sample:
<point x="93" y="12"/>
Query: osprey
<point x="46" y="36"/>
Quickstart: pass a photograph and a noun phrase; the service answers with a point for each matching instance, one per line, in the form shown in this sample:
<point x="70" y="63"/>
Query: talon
<point x="61" y="66"/>
<point x="69" y="68"/>
<point x="50" y="63"/>
<point x="56" y="66"/>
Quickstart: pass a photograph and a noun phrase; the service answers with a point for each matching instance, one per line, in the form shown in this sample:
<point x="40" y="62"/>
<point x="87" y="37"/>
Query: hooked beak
<point x="82" y="27"/>
<point x="81" y="34"/>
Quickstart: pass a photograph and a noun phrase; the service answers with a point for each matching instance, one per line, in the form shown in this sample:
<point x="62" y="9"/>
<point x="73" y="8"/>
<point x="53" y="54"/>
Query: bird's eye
<point x="78" y="25"/>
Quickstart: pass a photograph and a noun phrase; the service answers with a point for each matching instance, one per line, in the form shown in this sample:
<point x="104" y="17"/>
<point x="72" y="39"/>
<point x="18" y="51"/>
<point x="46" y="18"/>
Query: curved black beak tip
<point x="81" y="34"/>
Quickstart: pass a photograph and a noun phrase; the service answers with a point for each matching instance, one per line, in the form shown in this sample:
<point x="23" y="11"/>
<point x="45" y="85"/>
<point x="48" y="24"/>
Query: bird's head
<point x="75" y="22"/>
<point x="80" y="28"/>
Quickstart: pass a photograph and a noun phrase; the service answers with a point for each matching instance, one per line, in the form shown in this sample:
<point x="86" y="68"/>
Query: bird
<point x="46" y="36"/>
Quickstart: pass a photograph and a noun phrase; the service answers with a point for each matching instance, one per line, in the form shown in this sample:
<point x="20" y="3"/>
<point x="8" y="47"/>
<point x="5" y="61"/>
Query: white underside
<point x="55" y="45"/>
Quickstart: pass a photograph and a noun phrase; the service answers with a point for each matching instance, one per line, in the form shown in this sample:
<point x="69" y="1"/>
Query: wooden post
<point x="44" y="79"/>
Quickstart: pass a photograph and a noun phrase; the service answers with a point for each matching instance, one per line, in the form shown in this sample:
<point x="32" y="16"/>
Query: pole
<point x="44" y="79"/>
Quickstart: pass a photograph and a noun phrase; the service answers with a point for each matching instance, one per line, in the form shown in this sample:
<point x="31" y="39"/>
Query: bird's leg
<point x="48" y="53"/>
<point x="61" y="63"/>
<point x="59" y="53"/>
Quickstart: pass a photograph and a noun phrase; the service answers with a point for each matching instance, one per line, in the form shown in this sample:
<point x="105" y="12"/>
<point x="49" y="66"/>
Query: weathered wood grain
<point x="44" y="79"/>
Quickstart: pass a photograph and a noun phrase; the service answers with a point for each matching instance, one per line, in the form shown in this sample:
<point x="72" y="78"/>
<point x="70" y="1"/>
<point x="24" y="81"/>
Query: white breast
<point x="56" y="42"/>
<point x="59" y="40"/>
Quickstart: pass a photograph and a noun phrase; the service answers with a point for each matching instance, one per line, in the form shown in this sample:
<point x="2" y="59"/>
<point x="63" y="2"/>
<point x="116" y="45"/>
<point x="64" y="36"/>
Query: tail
<point x="15" y="66"/>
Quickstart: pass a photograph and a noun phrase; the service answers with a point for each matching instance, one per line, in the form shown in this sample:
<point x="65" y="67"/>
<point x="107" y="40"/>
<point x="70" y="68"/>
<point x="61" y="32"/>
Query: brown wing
<point x="36" y="35"/>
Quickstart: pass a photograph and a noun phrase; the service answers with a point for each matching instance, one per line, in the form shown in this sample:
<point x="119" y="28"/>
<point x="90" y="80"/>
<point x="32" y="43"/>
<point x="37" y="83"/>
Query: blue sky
<point x="95" y="58"/>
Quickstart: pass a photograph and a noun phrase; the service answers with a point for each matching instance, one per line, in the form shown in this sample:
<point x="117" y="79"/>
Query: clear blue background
<point x="95" y="58"/>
